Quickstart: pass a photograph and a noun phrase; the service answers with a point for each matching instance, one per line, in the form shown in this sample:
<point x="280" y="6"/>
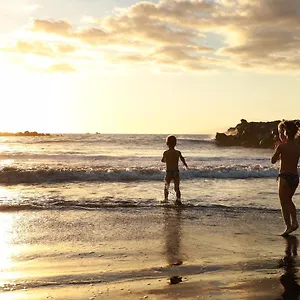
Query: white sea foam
<point x="14" y="175"/>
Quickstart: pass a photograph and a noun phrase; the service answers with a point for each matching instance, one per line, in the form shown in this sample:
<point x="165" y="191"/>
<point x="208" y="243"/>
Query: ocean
<point x="85" y="211"/>
<point x="94" y="171"/>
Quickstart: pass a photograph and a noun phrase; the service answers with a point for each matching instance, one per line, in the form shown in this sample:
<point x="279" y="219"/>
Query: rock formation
<point x="25" y="133"/>
<point x="250" y="134"/>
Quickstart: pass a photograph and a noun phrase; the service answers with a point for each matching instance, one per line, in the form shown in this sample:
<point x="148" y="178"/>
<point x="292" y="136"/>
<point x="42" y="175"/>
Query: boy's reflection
<point x="172" y="218"/>
<point x="289" y="278"/>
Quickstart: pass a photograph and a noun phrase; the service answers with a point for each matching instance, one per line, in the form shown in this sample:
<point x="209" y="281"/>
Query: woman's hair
<point x="171" y="141"/>
<point x="289" y="128"/>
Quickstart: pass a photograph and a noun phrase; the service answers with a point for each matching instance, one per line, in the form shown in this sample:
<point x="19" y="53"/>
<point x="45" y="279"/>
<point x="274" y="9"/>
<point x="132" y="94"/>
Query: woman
<point x="288" y="153"/>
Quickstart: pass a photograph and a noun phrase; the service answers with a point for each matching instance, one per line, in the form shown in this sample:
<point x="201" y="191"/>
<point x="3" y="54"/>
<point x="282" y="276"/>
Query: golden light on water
<point x="5" y="163"/>
<point x="6" y="231"/>
<point x="3" y="147"/>
<point x="5" y="194"/>
<point x="7" y="237"/>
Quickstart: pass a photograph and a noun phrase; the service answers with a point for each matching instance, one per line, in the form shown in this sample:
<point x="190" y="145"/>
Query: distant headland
<point x="250" y="134"/>
<point x="25" y="133"/>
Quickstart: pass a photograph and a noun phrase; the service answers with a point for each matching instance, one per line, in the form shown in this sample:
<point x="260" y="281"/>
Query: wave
<point x="116" y="139"/>
<point x="38" y="175"/>
<point x="236" y="159"/>
<point x="107" y="203"/>
<point x="77" y="155"/>
<point x="63" y="156"/>
<point x="197" y="141"/>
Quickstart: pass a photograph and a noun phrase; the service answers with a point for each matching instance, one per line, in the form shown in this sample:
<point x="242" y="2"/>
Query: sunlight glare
<point x="6" y="225"/>
<point x="6" y="162"/>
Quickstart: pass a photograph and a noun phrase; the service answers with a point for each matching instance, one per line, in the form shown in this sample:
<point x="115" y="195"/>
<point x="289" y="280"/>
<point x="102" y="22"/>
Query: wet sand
<point x="132" y="253"/>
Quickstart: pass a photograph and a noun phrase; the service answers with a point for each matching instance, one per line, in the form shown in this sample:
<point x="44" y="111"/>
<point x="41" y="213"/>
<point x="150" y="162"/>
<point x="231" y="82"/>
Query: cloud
<point x="148" y="31"/>
<point x="185" y="34"/>
<point x="65" y="48"/>
<point x="32" y="8"/>
<point x="40" y="48"/>
<point x="93" y="36"/>
<point x="36" y="48"/>
<point x="186" y="57"/>
<point x="117" y="58"/>
<point x="269" y="36"/>
<point x="59" y="27"/>
<point x="61" y="68"/>
<point x="272" y="12"/>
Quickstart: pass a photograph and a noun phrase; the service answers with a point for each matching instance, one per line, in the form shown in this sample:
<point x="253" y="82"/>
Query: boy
<point x="171" y="158"/>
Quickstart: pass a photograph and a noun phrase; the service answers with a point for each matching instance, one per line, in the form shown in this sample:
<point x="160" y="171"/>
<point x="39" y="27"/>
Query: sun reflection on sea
<point x="7" y="197"/>
<point x="6" y="225"/>
<point x="4" y="148"/>
<point x="8" y="251"/>
<point x="6" y="162"/>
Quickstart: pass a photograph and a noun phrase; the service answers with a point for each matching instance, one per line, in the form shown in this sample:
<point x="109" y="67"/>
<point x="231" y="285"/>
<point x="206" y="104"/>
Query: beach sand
<point x="131" y="253"/>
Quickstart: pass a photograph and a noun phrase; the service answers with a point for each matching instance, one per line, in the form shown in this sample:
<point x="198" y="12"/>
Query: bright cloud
<point x="40" y="48"/>
<point x="59" y="27"/>
<point x="61" y="68"/>
<point x="256" y="34"/>
<point x="32" y="8"/>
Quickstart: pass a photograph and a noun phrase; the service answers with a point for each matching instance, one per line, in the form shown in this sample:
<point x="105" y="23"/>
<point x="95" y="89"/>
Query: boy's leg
<point x="177" y="188"/>
<point x="167" y="186"/>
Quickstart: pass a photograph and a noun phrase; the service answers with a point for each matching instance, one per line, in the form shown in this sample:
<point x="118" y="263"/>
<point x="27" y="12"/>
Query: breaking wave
<point x="38" y="175"/>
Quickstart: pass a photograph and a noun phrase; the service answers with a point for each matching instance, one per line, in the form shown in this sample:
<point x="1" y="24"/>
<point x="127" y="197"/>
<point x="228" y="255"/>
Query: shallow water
<point x="68" y="247"/>
<point x="95" y="171"/>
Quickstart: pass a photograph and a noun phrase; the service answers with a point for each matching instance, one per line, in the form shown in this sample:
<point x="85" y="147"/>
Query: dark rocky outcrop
<point x="250" y="134"/>
<point x="25" y="133"/>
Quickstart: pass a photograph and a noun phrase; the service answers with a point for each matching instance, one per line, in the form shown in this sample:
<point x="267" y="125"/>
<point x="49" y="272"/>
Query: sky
<point x="165" y="66"/>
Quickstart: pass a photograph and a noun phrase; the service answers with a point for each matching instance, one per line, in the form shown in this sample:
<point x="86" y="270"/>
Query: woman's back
<point x="289" y="155"/>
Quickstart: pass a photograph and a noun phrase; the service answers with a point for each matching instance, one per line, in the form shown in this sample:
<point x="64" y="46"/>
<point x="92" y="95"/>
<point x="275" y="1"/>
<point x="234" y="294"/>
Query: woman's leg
<point x="293" y="212"/>
<point x="285" y="201"/>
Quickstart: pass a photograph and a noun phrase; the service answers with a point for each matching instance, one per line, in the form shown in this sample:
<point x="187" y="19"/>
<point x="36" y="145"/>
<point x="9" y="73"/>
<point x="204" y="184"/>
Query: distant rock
<point x="250" y="134"/>
<point x="25" y="133"/>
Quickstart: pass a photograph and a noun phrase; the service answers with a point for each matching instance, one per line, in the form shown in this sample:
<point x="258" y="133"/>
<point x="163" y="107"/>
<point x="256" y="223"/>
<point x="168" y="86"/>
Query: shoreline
<point x="132" y="255"/>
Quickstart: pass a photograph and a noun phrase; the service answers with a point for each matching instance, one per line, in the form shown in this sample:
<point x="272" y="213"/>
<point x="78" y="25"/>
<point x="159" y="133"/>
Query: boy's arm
<point x="183" y="160"/>
<point x="276" y="155"/>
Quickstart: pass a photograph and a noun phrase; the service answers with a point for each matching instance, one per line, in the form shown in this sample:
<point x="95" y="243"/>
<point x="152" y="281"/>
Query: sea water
<point x="94" y="171"/>
<point x="76" y="209"/>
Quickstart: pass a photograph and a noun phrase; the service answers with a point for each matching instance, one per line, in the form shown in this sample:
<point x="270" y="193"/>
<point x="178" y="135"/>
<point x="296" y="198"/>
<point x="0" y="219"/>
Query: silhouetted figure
<point x="288" y="152"/>
<point x="171" y="158"/>
<point x="289" y="278"/>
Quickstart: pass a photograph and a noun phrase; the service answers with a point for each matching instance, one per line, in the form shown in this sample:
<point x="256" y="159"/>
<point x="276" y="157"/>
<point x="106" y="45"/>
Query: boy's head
<point x="171" y="141"/>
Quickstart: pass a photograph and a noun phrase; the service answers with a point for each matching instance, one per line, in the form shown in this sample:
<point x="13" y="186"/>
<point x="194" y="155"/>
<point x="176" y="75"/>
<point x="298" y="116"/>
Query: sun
<point x="33" y="101"/>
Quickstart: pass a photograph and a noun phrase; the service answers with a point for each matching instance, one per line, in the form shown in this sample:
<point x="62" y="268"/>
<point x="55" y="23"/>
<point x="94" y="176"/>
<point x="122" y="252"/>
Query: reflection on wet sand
<point x="288" y="263"/>
<point x="172" y="219"/>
